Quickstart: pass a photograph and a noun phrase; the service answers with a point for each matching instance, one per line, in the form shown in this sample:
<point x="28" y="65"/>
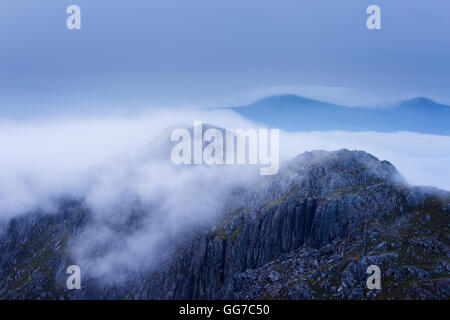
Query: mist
<point x="142" y="205"/>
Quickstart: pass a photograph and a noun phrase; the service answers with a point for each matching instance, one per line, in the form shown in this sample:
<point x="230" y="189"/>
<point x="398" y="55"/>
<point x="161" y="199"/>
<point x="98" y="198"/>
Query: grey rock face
<point x="33" y="252"/>
<point x="320" y="199"/>
<point x="310" y="232"/>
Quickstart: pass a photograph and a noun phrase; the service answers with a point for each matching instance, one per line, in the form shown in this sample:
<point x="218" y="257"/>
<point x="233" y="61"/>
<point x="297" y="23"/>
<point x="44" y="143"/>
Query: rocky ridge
<point x="308" y="233"/>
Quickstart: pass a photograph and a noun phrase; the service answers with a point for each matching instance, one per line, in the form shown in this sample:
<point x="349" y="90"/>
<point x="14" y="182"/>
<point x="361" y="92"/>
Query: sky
<point x="134" y="53"/>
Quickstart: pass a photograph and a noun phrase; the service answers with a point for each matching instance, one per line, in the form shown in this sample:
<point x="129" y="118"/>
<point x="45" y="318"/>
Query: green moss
<point x="337" y="192"/>
<point x="222" y="235"/>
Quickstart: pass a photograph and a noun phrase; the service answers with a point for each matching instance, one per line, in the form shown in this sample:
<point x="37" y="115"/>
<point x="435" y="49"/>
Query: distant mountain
<point x="295" y="113"/>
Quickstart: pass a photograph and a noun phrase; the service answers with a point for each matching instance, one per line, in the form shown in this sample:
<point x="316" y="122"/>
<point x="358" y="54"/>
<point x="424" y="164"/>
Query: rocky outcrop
<point x="310" y="232"/>
<point x="34" y="251"/>
<point x="326" y="198"/>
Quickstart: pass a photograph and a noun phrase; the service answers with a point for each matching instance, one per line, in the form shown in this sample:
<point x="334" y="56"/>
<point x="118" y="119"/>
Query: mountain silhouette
<point x="295" y="113"/>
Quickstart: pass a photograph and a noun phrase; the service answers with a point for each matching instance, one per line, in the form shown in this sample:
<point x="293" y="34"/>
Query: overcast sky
<point x="136" y="53"/>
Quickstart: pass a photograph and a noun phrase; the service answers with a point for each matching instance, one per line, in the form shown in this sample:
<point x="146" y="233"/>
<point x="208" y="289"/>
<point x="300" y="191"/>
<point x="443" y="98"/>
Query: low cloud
<point x="118" y="165"/>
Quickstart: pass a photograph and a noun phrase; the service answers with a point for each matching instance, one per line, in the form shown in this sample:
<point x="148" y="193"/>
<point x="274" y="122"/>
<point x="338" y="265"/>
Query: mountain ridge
<point x="296" y="113"/>
<point x="308" y="233"/>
